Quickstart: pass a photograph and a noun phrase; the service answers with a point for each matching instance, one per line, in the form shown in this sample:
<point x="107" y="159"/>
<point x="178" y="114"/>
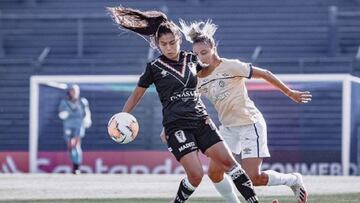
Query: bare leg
<point x="194" y="172"/>
<point x="219" y="153"/>
<point x="74" y="148"/>
<point x="252" y="166"/>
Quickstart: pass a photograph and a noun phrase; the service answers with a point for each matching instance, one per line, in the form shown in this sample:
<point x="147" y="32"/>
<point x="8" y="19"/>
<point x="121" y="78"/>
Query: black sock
<point x="243" y="184"/>
<point x="75" y="167"/>
<point x="184" y="191"/>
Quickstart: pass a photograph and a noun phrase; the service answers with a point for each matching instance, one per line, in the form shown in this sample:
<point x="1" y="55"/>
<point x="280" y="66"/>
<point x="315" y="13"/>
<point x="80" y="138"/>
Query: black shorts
<point x="184" y="137"/>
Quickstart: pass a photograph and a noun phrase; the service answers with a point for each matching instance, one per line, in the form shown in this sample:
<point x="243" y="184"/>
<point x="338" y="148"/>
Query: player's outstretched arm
<point x="296" y="96"/>
<point x="134" y="99"/>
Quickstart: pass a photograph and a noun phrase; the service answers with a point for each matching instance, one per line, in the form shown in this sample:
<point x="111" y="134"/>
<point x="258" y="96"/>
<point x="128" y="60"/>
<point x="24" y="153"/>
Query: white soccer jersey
<point x="225" y="88"/>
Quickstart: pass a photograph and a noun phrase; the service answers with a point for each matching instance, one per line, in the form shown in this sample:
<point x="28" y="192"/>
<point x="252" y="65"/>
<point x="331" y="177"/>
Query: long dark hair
<point x="152" y="24"/>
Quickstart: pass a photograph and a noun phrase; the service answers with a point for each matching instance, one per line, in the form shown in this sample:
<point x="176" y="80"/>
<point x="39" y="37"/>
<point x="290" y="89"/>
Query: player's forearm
<point x="130" y="104"/>
<point x="134" y="99"/>
<point x="276" y="82"/>
<point x="272" y="79"/>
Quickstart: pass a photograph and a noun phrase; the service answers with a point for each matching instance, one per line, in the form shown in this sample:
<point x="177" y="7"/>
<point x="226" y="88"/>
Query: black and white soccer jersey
<point x="175" y="82"/>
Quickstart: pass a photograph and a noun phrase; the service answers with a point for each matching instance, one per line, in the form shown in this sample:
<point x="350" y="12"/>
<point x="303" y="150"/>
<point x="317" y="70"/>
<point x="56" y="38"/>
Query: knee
<point x="216" y="176"/>
<point x="70" y="147"/>
<point x="228" y="163"/>
<point x="195" y="178"/>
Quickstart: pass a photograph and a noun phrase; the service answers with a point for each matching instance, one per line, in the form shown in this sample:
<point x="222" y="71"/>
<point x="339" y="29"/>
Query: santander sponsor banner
<point x="150" y="162"/>
<point x="135" y="162"/>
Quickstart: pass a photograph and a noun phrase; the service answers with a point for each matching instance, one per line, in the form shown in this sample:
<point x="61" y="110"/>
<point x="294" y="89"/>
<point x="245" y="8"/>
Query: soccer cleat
<point x="299" y="189"/>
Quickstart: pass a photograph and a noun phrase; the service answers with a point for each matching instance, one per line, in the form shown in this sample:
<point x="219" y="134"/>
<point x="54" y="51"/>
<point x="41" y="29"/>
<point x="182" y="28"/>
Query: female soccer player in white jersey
<point x="243" y="126"/>
<point x="186" y="122"/>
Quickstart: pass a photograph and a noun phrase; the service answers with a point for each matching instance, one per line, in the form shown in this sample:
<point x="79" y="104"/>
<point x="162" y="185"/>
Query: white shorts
<point x="248" y="140"/>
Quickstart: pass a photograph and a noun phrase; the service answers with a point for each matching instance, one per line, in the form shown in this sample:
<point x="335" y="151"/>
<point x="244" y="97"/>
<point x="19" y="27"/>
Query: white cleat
<point x="299" y="189"/>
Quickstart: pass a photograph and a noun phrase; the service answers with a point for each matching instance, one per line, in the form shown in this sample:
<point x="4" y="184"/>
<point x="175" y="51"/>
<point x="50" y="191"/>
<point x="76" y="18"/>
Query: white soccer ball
<point x="123" y="127"/>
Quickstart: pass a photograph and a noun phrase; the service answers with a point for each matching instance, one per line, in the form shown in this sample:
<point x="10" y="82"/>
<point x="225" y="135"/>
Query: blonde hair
<point x="199" y="31"/>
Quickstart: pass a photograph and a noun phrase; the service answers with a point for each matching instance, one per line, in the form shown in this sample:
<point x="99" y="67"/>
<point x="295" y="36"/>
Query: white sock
<point x="188" y="184"/>
<point x="226" y="190"/>
<point x="276" y="178"/>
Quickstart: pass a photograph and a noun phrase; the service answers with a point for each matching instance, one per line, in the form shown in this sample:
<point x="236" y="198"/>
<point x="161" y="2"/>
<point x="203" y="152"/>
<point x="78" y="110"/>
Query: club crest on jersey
<point x="222" y="83"/>
<point x="225" y="75"/>
<point x="180" y="136"/>
<point x="192" y="67"/>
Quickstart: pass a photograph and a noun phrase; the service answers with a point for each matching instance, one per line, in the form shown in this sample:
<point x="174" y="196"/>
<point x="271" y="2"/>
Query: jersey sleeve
<point x="241" y="69"/>
<point x="146" y="78"/>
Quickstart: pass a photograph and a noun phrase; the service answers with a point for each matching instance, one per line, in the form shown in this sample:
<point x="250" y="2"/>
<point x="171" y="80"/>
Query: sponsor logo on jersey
<point x="220" y="97"/>
<point x="185" y="95"/>
<point x="186" y="146"/>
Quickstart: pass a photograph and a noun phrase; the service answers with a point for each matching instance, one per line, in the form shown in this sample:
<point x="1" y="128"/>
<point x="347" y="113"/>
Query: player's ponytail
<point x="199" y="31"/>
<point x="152" y="24"/>
<point x="142" y="22"/>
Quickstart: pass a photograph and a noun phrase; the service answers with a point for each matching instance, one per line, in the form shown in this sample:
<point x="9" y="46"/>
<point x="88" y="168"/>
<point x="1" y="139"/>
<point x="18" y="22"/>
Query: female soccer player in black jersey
<point x="187" y="125"/>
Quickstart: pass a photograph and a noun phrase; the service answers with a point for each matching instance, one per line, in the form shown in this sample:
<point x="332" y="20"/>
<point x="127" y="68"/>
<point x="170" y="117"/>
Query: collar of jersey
<point x="165" y="62"/>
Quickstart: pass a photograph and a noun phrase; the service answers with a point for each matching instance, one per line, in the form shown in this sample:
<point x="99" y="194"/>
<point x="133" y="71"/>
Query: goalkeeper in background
<point x="75" y="113"/>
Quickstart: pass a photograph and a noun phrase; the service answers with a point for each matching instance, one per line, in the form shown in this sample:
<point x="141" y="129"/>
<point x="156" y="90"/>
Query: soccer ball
<point x="123" y="127"/>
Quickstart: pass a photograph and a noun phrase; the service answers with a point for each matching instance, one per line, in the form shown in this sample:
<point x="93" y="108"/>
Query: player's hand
<point x="300" y="97"/>
<point x="163" y="137"/>
<point x="63" y="115"/>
